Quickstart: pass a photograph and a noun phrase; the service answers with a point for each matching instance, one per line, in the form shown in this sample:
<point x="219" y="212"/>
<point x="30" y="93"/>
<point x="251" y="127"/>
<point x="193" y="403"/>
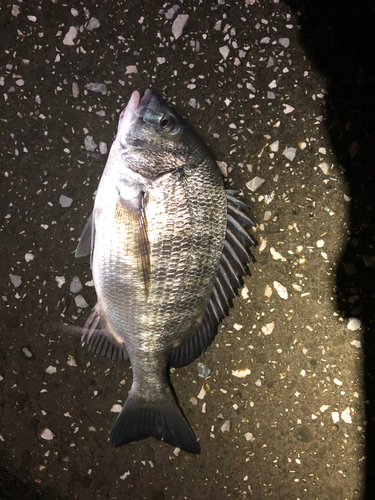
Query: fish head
<point x="154" y="139"/>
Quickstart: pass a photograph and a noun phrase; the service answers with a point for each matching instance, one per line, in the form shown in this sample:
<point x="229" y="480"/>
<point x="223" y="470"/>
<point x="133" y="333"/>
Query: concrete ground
<point x="283" y="93"/>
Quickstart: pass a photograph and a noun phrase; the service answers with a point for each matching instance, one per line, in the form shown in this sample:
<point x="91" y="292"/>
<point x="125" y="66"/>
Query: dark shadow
<point x="340" y="39"/>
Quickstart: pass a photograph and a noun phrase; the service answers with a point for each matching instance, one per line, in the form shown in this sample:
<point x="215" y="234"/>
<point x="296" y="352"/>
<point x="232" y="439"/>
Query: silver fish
<point x="168" y="250"/>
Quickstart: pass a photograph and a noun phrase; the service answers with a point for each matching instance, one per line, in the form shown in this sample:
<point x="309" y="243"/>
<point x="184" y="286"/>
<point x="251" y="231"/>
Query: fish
<point x="168" y="247"/>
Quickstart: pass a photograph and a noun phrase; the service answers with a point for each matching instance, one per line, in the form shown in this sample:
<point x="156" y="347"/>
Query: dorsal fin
<point x="233" y="266"/>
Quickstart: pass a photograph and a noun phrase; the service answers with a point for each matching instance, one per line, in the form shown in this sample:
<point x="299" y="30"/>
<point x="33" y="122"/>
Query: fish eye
<point x="168" y="123"/>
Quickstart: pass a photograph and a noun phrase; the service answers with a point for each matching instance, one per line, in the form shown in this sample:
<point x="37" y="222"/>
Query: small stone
<point x="276" y="255"/>
<point x="90" y="144"/>
<point x="125" y="475"/>
<point x="202" y="393"/>
<point x="103" y="148"/>
<point x="224" y="51"/>
<point x="179" y="24"/>
<point x="16" y="280"/>
<point x="71" y="361"/>
<point x="290" y="153"/>
<point x="47" y="434"/>
<point x="80" y="302"/>
<point x="268" y="329"/>
<point x="241" y="373"/>
<point x="75" y="285"/>
<point x="65" y="201"/>
<point x="249" y="436"/>
<point x="356" y="343"/>
<point x="254" y="184"/>
<point x="130" y="70"/>
<point x="70" y="36"/>
<point x="284" y="42"/>
<point x="274" y="146"/>
<point x="288" y="109"/>
<point x="116" y="408"/>
<point x="320" y="243"/>
<point x="203" y="370"/>
<point x="335" y="417"/>
<point x="193" y="401"/>
<point x="346" y="417"/>
<point x="51" y="370"/>
<point x="324" y="167"/>
<point x="75" y="89"/>
<point x="354" y="324"/>
<point x="225" y="427"/>
<point x="93" y="24"/>
<point x="281" y="290"/>
<point x="60" y="280"/>
<point x="97" y="87"/>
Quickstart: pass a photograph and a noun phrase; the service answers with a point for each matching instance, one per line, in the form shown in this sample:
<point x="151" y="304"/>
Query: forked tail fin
<point x="161" y="419"/>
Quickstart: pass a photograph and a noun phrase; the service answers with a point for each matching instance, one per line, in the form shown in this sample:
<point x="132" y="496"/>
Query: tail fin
<point x="161" y="419"/>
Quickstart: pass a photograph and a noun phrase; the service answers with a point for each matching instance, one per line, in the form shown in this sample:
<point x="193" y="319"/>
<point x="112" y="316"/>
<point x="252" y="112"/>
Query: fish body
<point x="157" y="239"/>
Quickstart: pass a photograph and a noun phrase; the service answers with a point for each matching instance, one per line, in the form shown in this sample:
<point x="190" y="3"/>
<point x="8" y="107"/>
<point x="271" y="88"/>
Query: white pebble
<point x="71" y="361"/>
<point x="75" y="285"/>
<point x="354" y="324"/>
<point x="225" y="427"/>
<point x="288" y="109"/>
<point x="27" y="352"/>
<point x="356" y="343"/>
<point x="47" y="434"/>
<point x="277" y="255"/>
<point x="116" y="408"/>
<point x="75" y="89"/>
<point x="268" y="291"/>
<point x="258" y="383"/>
<point x="335" y="416"/>
<point x="337" y="381"/>
<point x="70" y="36"/>
<point x="241" y="373"/>
<point x="130" y="70"/>
<point x="290" y="153"/>
<point x="65" y="201"/>
<point x="254" y="183"/>
<point x="160" y="60"/>
<point x="284" y="42"/>
<point x="224" y="51"/>
<point x="237" y="327"/>
<point x="281" y="290"/>
<point x="268" y="329"/>
<point x="90" y="144"/>
<point x="60" y="280"/>
<point x="193" y="401"/>
<point x="80" y="302"/>
<point x="171" y="12"/>
<point x="202" y="393"/>
<point x="274" y="146"/>
<point x="249" y="436"/>
<point x="93" y="24"/>
<point x="245" y="292"/>
<point x="324" y="167"/>
<point x="320" y="243"/>
<point x="97" y="87"/>
<point x="125" y="475"/>
<point x="16" y="280"/>
<point x="29" y="257"/>
<point x="179" y="24"/>
<point x="103" y="148"/>
<point x="51" y="370"/>
<point x="345" y="415"/>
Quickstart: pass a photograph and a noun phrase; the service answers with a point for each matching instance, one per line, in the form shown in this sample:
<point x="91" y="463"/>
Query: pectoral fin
<point x="132" y="213"/>
<point x="86" y="243"/>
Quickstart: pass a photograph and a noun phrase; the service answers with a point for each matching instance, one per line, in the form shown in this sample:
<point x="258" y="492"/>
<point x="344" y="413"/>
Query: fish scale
<point x="168" y="249"/>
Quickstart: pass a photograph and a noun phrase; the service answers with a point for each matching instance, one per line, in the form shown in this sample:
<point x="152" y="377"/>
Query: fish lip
<point x="143" y="103"/>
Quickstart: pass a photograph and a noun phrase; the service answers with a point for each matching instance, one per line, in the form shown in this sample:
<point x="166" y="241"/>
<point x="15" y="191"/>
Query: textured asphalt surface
<point x="283" y="94"/>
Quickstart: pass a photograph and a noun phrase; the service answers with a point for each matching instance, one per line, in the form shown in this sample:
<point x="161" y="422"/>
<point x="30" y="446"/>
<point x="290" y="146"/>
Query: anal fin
<point x="100" y="340"/>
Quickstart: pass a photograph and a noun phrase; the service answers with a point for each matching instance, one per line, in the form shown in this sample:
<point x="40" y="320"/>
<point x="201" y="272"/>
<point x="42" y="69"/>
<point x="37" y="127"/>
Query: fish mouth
<point x="143" y="103"/>
<point x="136" y="107"/>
